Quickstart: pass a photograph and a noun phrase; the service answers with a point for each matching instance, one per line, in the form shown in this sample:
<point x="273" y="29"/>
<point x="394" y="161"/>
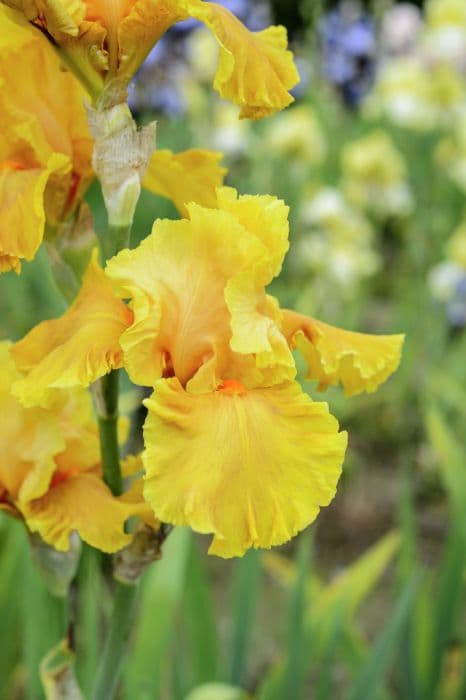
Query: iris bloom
<point x="50" y="471"/>
<point x="233" y="445"/>
<point x="45" y="150"/>
<point x="105" y="41"/>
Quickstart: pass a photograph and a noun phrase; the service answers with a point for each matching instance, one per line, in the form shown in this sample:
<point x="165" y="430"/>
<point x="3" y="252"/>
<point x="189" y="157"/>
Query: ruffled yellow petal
<point x="251" y="467"/>
<point x="190" y="176"/>
<point x="255" y="317"/>
<point x="29" y="440"/>
<point x="255" y="69"/>
<point x="46" y="148"/>
<point x="187" y="281"/>
<point x="357" y="361"/>
<point x="37" y="444"/>
<point x="83" y="503"/>
<point x="22" y="210"/>
<point x="77" y="348"/>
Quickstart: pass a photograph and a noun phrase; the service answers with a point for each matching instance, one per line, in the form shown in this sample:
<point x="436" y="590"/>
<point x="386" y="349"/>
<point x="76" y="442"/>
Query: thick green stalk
<point x="105" y="392"/>
<point x="117" y="238"/>
<point x="115" y="645"/>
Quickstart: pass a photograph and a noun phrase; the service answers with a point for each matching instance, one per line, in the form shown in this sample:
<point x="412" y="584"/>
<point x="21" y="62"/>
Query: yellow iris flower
<point x="233" y="445"/>
<point x="105" y="41"/>
<point x="50" y="468"/>
<point x="45" y="150"/>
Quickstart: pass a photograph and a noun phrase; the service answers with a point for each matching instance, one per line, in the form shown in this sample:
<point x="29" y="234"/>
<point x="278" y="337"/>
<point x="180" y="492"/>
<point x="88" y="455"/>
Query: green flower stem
<point x="108" y="674"/>
<point x="116" y="238"/>
<point x="105" y="392"/>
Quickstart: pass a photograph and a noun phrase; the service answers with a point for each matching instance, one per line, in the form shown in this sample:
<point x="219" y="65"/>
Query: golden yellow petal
<point x="190" y="176"/>
<point x="77" y="348"/>
<point x="143" y="26"/>
<point x="82" y="503"/>
<point x="252" y="467"/>
<point x="357" y="361"/>
<point x="133" y="496"/>
<point x="255" y="69"/>
<point x="22" y="215"/>
<point x="190" y="281"/>
<point x="255" y="317"/>
<point x="60" y="16"/>
<point x="44" y="124"/>
<point x="29" y="439"/>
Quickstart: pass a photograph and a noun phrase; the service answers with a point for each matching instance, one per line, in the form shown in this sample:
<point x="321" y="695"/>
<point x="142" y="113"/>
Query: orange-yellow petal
<point x="142" y="27"/>
<point x="77" y="348"/>
<point x="30" y="439"/>
<point x="190" y="176"/>
<point x="22" y="209"/>
<point x="82" y="503"/>
<point x="255" y="317"/>
<point x="181" y="282"/>
<point x="255" y="69"/>
<point x="253" y="467"/>
<point x="357" y="361"/>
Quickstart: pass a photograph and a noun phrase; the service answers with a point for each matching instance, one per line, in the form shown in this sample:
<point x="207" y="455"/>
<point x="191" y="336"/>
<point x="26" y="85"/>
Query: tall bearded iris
<point x="233" y="445"/>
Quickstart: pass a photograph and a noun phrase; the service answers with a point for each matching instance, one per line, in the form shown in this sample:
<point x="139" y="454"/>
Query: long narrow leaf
<point x="373" y="671"/>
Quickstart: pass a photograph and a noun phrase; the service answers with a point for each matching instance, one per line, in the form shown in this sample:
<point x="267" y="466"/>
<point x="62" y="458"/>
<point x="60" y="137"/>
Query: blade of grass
<point x="369" y="680"/>
<point x="12" y="551"/>
<point x="447" y="602"/>
<point x="163" y="587"/>
<point x="324" y="682"/>
<point x="297" y="658"/>
<point x="244" y="596"/>
<point x="200" y="618"/>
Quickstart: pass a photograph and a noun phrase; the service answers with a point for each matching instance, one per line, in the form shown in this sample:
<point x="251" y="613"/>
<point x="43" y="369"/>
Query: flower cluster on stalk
<point x="233" y="445"/>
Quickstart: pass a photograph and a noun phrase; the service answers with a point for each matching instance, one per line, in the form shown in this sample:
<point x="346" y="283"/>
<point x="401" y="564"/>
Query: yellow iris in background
<point x="105" y="41"/>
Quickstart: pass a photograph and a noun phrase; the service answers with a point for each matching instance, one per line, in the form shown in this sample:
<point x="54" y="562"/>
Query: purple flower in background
<point x="348" y="50"/>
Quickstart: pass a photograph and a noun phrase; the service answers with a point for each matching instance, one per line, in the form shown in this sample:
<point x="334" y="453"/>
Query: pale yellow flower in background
<point x="46" y="148"/>
<point x="417" y="95"/>
<point x="374" y="175"/>
<point x="445" y="36"/>
<point x="456" y="246"/>
<point x="337" y="242"/>
<point x="297" y="134"/>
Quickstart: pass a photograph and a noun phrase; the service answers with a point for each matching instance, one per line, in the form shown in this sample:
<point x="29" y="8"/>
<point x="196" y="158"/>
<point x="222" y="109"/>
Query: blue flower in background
<point x="348" y="50"/>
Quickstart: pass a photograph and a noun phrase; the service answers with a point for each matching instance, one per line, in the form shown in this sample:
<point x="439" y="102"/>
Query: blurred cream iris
<point x="297" y="134"/>
<point x="374" y="175"/>
<point x="425" y="88"/>
<point x="338" y="242"/>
